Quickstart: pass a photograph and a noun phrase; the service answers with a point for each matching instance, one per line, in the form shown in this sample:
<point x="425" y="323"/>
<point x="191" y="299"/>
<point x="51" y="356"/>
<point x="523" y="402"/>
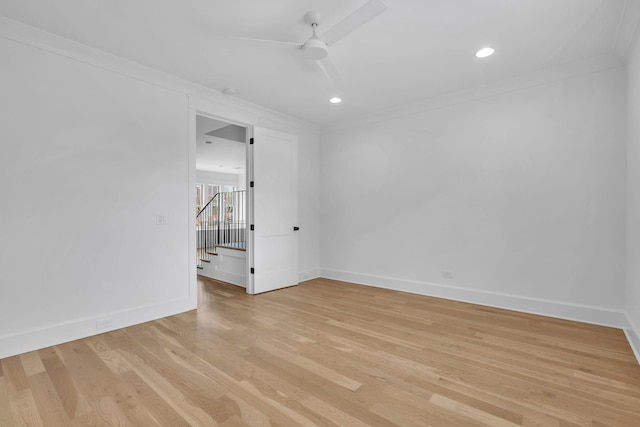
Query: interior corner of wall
<point x="632" y="333"/>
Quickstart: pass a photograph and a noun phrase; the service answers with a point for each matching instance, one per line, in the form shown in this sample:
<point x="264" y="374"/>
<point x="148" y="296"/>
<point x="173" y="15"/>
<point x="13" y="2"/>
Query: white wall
<point x="81" y="190"/>
<point x="80" y="193"/>
<point x="218" y="178"/>
<point x="309" y="205"/>
<point x="520" y="194"/>
<point x="633" y="200"/>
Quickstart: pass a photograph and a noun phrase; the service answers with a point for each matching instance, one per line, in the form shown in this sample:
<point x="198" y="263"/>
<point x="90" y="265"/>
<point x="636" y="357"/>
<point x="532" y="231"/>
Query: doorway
<point x="270" y="227"/>
<point x="221" y="200"/>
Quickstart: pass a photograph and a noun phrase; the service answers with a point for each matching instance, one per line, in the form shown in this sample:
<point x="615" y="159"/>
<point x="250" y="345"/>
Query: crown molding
<point x="34" y="37"/>
<point x="537" y="78"/>
<point x="22" y="33"/>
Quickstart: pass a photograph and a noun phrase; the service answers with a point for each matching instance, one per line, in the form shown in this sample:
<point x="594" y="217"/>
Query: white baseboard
<point x="581" y="313"/>
<point x="312" y="273"/>
<point x="35" y="339"/>
<point x="632" y="332"/>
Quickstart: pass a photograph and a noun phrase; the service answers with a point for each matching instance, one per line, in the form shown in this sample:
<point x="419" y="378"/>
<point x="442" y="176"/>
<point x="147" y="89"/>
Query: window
<point x="198" y="203"/>
<point x="204" y="193"/>
<point x="211" y="191"/>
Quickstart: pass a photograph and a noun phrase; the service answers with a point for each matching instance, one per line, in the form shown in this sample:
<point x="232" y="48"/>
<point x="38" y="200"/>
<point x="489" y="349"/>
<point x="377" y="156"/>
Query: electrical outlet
<point x="447" y="274"/>
<point x="162" y="219"/>
<point x="103" y="324"/>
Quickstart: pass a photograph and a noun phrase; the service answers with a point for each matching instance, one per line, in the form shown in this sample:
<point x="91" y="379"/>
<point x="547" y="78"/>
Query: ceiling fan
<point x="316" y="48"/>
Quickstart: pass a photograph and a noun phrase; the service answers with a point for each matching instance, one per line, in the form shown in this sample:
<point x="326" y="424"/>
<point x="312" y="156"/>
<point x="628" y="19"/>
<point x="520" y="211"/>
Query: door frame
<point x="192" y="138"/>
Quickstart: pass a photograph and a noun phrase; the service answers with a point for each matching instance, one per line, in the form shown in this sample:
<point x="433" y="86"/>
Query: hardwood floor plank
<point x="330" y="353"/>
<point x="310" y="365"/>
<point x="90" y="376"/>
<point x="178" y="402"/>
<point x="108" y="413"/>
<point x="31" y="363"/>
<point x="73" y="401"/>
<point x="102" y="350"/>
<point x="88" y="419"/>
<point x="24" y="409"/>
<point x="47" y="400"/>
<point x="5" y="407"/>
<point x="397" y="412"/>
<point x="159" y="409"/>
<point x="284" y="404"/>
<point x="248" y="413"/>
<point x="470" y="412"/>
<point x="324" y="390"/>
<point x="15" y="377"/>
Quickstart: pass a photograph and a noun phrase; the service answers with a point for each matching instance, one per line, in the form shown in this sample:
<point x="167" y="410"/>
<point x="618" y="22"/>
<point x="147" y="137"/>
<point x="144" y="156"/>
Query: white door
<point x="273" y="262"/>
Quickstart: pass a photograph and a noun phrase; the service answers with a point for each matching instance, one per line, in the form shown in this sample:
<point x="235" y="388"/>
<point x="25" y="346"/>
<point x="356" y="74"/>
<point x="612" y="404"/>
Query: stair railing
<point x="221" y="223"/>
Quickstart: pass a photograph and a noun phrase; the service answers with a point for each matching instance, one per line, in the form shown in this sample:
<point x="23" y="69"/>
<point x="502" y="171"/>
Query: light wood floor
<point x="330" y="353"/>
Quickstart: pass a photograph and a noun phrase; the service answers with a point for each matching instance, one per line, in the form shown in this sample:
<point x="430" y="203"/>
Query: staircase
<point x="221" y="224"/>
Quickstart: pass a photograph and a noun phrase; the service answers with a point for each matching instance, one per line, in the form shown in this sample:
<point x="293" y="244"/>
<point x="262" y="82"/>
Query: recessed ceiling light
<point x="335" y="100"/>
<point x="208" y="142"/>
<point x="239" y="167"/>
<point x="221" y="166"/>
<point x="484" y="52"/>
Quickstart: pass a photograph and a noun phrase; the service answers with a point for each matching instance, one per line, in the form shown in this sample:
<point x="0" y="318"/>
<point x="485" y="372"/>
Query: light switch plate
<point x="162" y="219"/>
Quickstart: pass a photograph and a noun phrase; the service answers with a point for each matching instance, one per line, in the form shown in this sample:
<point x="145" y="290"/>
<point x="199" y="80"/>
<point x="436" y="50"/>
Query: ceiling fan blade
<point x="329" y="69"/>
<point x="274" y="43"/>
<point x="358" y="18"/>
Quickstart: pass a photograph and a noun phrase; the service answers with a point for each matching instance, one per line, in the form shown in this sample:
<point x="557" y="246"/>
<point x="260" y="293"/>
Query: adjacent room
<point x="221" y="200"/>
<point x="304" y="212"/>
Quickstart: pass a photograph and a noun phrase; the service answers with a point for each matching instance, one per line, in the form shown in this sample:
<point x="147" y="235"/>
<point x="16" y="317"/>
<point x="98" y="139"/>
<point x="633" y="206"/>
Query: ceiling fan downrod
<point x="314" y="48"/>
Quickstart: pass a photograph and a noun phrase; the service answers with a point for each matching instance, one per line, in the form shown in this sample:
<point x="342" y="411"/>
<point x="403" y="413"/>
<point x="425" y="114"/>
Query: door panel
<point x="275" y="210"/>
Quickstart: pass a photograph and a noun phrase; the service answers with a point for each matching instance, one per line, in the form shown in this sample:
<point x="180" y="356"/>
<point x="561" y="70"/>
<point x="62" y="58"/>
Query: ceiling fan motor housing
<point x="315" y="49"/>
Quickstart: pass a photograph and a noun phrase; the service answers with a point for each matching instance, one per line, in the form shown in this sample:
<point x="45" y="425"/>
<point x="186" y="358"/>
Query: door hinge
<point x="251" y="184"/>
<point x="251" y="227"/>
<point x="250" y="141"/>
<point x="252" y="271"/>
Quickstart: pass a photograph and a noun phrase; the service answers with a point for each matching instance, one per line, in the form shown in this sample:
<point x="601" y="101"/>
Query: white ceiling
<point x="221" y="155"/>
<point x="415" y="50"/>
